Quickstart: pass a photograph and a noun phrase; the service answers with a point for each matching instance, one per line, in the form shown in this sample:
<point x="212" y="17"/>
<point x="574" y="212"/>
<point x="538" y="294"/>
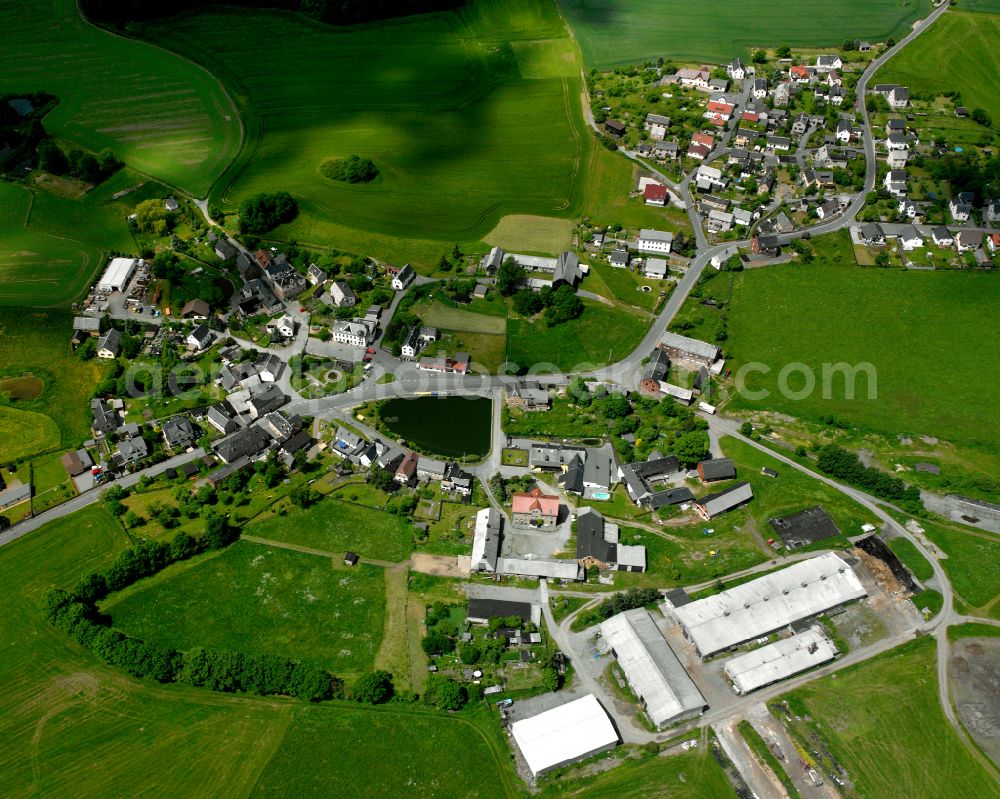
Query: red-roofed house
<point x="263" y="258"/>
<point x="718" y="112"/>
<point x="655" y="194"/>
<point x="706" y="139"/>
<point x="535" y="509"/>
<point x="993" y="242"/>
<point x="750" y="116"/>
<point x="799" y="73"/>
<point x="407" y="468"/>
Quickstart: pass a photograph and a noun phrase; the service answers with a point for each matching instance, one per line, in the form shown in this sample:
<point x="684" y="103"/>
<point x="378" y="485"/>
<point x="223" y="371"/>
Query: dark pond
<point x="449" y="426"/>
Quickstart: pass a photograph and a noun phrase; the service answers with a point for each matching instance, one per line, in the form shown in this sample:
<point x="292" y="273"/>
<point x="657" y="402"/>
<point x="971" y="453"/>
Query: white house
<point x="942" y="237"/>
<point x="844" y="131"/>
<point x="355" y="333"/>
<point x="655" y="268"/>
<point x="109" y="345"/>
<point x="759" y="89"/>
<point x="657" y="126"/>
<point x="710" y="174"/>
<point x="910" y="239"/>
<point x="968" y="240"/>
<point x="908" y="208"/>
<point x="895" y="182"/>
<point x="199" y="338"/>
<point x="403" y="278"/>
<point x="342" y="295"/>
<point x="654" y="241"/>
<point x="736" y="69"/>
<point x="285" y="326"/>
<point x="960" y="206"/>
<point x="899" y="97"/>
<point x="825" y="63"/>
<point x="897" y="158"/>
<point x="897" y="141"/>
<point x="827" y="209"/>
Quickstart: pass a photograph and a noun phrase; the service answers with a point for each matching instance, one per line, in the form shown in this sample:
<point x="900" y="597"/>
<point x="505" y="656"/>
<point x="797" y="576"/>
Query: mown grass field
<point x="972" y="565"/>
<point x="336" y="526"/>
<point x="915" y="328"/>
<point x="160" y="113"/>
<point x="469" y="116"/>
<point x="618" y="32"/>
<point x="883" y="722"/>
<point x="531" y="234"/>
<point x="261" y="600"/>
<point x="37" y="343"/>
<point x="80" y="726"/>
<point x="959" y="52"/>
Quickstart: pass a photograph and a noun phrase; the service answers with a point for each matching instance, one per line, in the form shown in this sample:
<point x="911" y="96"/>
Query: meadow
<point x="81" y="725"/>
<point x="37" y="343"/>
<point x="972" y="565"/>
<point x="335" y="526"/>
<point x="615" y="32"/>
<point x="468" y="116"/>
<point x="261" y="600"/>
<point x="915" y="328"/>
<point x="867" y="729"/>
<point x="160" y="113"/>
<point x="958" y="53"/>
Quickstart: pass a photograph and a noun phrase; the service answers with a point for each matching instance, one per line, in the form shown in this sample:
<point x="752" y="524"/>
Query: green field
<point x="972" y="565"/>
<point x="618" y="32"/>
<point x="336" y="526"/>
<point x="601" y="335"/>
<point x="469" y="116"/>
<point x="911" y="558"/>
<point x="894" y="741"/>
<point x="913" y="327"/>
<point x="160" y="113"/>
<point x="81" y="726"/>
<point x="958" y="53"/>
<point x="37" y="343"/>
<point x="261" y="600"/>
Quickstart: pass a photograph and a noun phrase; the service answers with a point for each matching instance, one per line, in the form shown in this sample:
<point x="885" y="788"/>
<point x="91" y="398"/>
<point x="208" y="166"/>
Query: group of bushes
<point x="615" y="604"/>
<point x="76" y="614"/>
<point x="267" y="210"/>
<point x="844" y="465"/>
<point x="353" y="169"/>
<point x="76" y="163"/>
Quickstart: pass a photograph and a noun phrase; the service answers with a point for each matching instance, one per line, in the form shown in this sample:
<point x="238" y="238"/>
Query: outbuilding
<point x="568" y="733"/>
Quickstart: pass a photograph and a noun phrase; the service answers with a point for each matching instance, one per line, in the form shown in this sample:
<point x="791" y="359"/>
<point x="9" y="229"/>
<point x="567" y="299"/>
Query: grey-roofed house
<point x="269" y="366"/>
<point x="244" y="443"/>
<point x="458" y="480"/>
<point x="131" y="450"/>
<point x="683" y="348"/>
<point x="14" y="495"/>
<point x="109" y="345"/>
<point x="552" y="456"/>
<point x="528" y="396"/>
<point x="224" y="250"/>
<point x="270" y="399"/>
<point x="641" y="477"/>
<point x="431" y="468"/>
<point x="342" y="295"/>
<point x="619" y="257"/>
<point x="657" y="366"/>
<point x="106" y="418"/>
<point x="222" y="416"/>
<point x="712" y="505"/>
<point x="199" y="338"/>
<point x="178" y="432"/>
<point x="486" y="540"/>
<point x="597" y="545"/>
<point x="567" y="271"/>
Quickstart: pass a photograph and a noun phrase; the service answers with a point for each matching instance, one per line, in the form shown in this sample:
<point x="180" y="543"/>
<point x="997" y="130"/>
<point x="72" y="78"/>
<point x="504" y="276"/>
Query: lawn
<point x="614" y="32"/>
<point x="901" y="723"/>
<point x="972" y="565"/>
<point x="933" y="64"/>
<point x="336" y="526"/>
<point x="908" y="325"/>
<point x="438" y="314"/>
<point x="911" y="558"/>
<point x="37" y="343"/>
<point x="261" y="600"/>
<point x="469" y="116"/>
<point x="690" y="775"/>
<point x="625" y="285"/>
<point x="601" y="335"/>
<point x="81" y="726"/>
<point x="159" y="112"/>
<point x="531" y="234"/>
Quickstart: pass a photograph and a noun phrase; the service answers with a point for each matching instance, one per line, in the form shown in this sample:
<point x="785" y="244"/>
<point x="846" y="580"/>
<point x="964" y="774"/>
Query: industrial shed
<point x="117" y="274"/>
<point x="768" y="603"/>
<point x="651" y="668"/>
<point x="779" y="660"/>
<point x="567" y="733"/>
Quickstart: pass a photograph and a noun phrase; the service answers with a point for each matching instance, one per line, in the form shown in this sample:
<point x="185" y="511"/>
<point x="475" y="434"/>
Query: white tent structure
<point x="779" y="660"/>
<point x="651" y="668"/>
<point x="761" y="606"/>
<point x="117" y="275"/>
<point x="570" y="732"/>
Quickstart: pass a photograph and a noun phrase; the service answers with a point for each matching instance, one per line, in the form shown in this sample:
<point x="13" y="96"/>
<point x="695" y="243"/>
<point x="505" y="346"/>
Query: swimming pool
<point x="601" y="495"/>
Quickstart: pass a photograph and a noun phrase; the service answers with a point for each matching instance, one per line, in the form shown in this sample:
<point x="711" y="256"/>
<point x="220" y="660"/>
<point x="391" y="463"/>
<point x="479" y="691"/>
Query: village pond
<point x="448" y="426"/>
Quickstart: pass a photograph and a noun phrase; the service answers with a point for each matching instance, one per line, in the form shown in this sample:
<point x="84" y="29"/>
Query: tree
<point x="980" y="117"/>
<point x="218" y="533"/>
<point x="509" y="275"/>
<point x="267" y="210"/>
<point x="468" y="653"/>
<point x="436" y="643"/>
<point x="450" y="695"/>
<point x="565" y="306"/>
<point x="527" y="303"/>
<point x="550" y="679"/>
<point x="132" y="519"/>
<point x="382" y="479"/>
<point x="303" y="496"/>
<point x="151" y="217"/>
<point x="353" y="169"/>
<point x="692" y="447"/>
<point x="784" y="51"/>
<point x="373" y="688"/>
<point x="51" y="158"/>
<point x="746" y="429"/>
<point x="759" y="57"/>
<point x="616" y="406"/>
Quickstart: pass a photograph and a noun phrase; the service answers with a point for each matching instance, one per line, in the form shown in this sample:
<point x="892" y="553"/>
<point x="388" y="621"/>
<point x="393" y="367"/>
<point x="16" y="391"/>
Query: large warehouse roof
<point x="117" y="274"/>
<point x="779" y="660"/>
<point x="569" y="732"/>
<point x="651" y="667"/>
<point x="769" y="603"/>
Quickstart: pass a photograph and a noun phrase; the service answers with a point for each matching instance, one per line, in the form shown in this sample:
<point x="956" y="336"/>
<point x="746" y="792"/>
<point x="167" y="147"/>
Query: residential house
<point x="403" y="278"/>
<point x="736" y="69"/>
<point x="837" y="95"/>
<point x="597" y="545"/>
<point x="871" y="233"/>
<point x="246" y="443"/>
<point x="279" y="426"/>
<point x="656" y="241"/>
<point x="457" y="365"/>
<point x="800" y="125"/>
<point x="825" y="63"/>
<point x="406" y="471"/>
<point x="895" y="125"/>
<point x="199" y="338"/>
<point x="285" y="281"/>
<point x="619" y="257"/>
<point x="828" y="209"/>
<point x="960" y="206"/>
<point x="782" y="95"/>
<point x="710" y="176"/>
<point x="993" y="242"/>
<point x="535" y="509"/>
<point x="657" y="126"/>
<point x="895" y="182"/>
<point x="698" y="152"/>
<point x="897" y="141"/>
<point x="342" y="295"/>
<point x="75" y="462"/>
<point x="968" y="240"/>
<point x="270" y="399"/>
<point x="431" y="468"/>
<point x="766" y="244"/>
<point x="130" y="450"/>
<point x="655" y="268"/>
<point x="665" y="150"/>
<point x="284" y="327"/>
<point x="942" y="237"/>
<point x="411" y="343"/>
<point x="528" y="395"/>
<point x="196" y="310"/>
<point x="778" y="143"/>
<point x="315" y="275"/>
<point x="222" y="416"/>
<point x="899" y="97"/>
<point x="759" y="89"/>
<point x="178" y="433"/>
<point x="718" y="112"/>
<point x="896" y="159"/>
<point x="833" y="79"/>
<point x="697" y="78"/>
<point x="269" y="367"/>
<point x="356" y="333"/>
<point x="109" y="345"/>
<point x="655" y="194"/>
<point x="910" y="239"/>
<point x="844" y="132"/>
<point x="799" y="73"/>
<point x="224" y="250"/>
<point x="991" y="213"/>
<point x="458" y="480"/>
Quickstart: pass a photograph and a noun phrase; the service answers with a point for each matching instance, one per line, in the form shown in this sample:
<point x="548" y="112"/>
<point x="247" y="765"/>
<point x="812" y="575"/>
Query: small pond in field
<point x="23" y="387"/>
<point x="448" y="426"/>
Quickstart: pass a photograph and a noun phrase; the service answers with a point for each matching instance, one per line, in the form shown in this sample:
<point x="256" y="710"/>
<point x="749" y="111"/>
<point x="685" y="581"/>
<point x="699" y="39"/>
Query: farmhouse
<point x="683" y="349"/>
<point x="641" y="478"/>
<point x="109" y="346"/>
<point x="492" y="261"/>
<point x="597" y="545"/>
<point x="535" y="509"/>
<point x="117" y="275"/>
<point x="698" y="78"/>
<point x="657" y="241"/>
<point x="528" y="396"/>
<point x="573" y="731"/>
<point x="567" y="570"/>
<point x="780" y="660"/>
<point x="712" y="505"/>
<point x="486" y="540"/>
<point x="767" y="604"/>
<point x="651" y="668"/>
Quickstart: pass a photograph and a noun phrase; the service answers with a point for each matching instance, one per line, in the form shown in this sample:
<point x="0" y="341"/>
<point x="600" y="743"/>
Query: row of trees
<point x="845" y="465"/>
<point x="617" y="603"/>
